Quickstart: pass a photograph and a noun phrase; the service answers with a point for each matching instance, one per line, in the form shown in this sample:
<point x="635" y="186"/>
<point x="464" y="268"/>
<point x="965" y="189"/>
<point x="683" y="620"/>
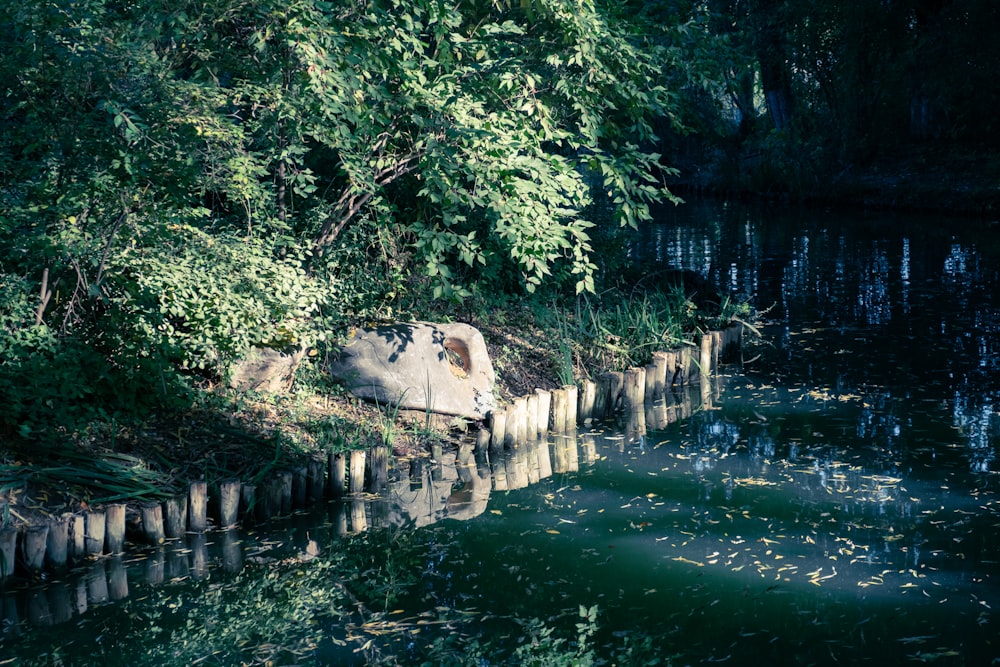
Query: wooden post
<point x="588" y="396"/>
<point x="198" y="506"/>
<point x="705" y="356"/>
<point x="94" y="538"/>
<point x="634" y="389"/>
<point x="482" y="439"/>
<point x="33" y="547"/>
<point x="269" y="505"/>
<point x="716" y="351"/>
<point x="544" y="410"/>
<point x="285" y="485"/>
<point x="378" y="468"/>
<point x="8" y="551"/>
<point x="57" y="544"/>
<point x="229" y="502"/>
<point x="498" y="429"/>
<point x="356" y="478"/>
<point x="531" y="417"/>
<point x="315" y="481"/>
<point x="77" y="535"/>
<point x="616" y="381"/>
<point x="300" y="486"/>
<point x="572" y="400"/>
<point x="152" y="522"/>
<point x="559" y="409"/>
<point x="337" y="465"/>
<point x="248" y="502"/>
<point x="114" y="534"/>
<point x="176" y="510"/>
<point x="601" y="392"/>
<point x="517" y="422"/>
<point x="660" y="370"/>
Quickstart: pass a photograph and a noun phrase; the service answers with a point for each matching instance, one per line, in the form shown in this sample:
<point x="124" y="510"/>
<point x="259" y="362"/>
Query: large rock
<point x="442" y="368"/>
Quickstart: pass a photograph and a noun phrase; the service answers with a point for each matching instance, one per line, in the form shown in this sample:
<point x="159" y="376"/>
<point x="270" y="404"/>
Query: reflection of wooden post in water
<point x="97" y="583"/>
<point x="177" y="561"/>
<point x="198" y="506"/>
<point x="33" y="547"/>
<point x="544" y="408"/>
<point x="232" y="551"/>
<point x="378" y="467"/>
<point x="57" y="544"/>
<point x="176" y="511"/>
<point x="60" y="602"/>
<point x="337" y="464"/>
<point x="153" y="567"/>
<point x="9" y="618"/>
<point x="544" y="460"/>
<point x="94" y="538"/>
<point x="198" y="543"/>
<point x="531" y="458"/>
<point x="499" y="471"/>
<point x="114" y="534"/>
<point x="359" y="520"/>
<point x="517" y="472"/>
<point x="587" y="398"/>
<point x="705" y="388"/>
<point x="229" y="502"/>
<point x="152" y="522"/>
<point x="588" y="448"/>
<point x="338" y="518"/>
<point x="635" y="426"/>
<point x="117" y="579"/>
<point x="565" y="457"/>
<point x="38" y="608"/>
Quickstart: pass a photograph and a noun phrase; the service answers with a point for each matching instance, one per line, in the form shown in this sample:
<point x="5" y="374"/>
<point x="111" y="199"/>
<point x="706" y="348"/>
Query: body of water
<point x="832" y="500"/>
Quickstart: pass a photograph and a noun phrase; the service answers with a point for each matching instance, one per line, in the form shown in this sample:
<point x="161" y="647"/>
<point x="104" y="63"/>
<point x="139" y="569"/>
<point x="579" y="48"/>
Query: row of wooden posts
<point x="73" y="537"/>
<point x="530" y="417"/>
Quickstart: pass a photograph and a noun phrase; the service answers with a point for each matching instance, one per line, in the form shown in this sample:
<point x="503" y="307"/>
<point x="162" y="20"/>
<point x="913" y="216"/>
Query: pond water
<point x="830" y="499"/>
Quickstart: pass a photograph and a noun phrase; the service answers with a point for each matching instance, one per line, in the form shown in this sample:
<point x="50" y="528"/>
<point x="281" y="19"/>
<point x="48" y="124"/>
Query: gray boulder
<point x="441" y="368"/>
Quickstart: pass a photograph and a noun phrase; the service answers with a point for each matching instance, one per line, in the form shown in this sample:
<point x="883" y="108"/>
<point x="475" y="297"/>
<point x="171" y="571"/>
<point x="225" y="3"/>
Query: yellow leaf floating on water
<point x="682" y="559"/>
<point x="552" y="531"/>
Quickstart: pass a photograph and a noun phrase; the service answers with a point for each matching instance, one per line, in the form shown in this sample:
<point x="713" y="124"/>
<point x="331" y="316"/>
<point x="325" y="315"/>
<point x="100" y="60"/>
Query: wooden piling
<point x="482" y="439"/>
<point x="705" y="356"/>
<point x="498" y="428"/>
<point x="337" y="474"/>
<point x="300" y="487"/>
<point x="33" y="547"/>
<point x="229" y="502"/>
<point x="660" y="369"/>
<point x="176" y="514"/>
<point x="94" y="537"/>
<point x="198" y="506"/>
<point x="587" y="398"/>
<point x="57" y="544"/>
<point x="248" y="502"/>
<point x="8" y="551"/>
<point x="572" y="401"/>
<point x="356" y="478"/>
<point x="285" y="485"/>
<point x="77" y="536"/>
<point x="634" y="389"/>
<point x="152" y="522"/>
<point x="557" y="421"/>
<point x="378" y="468"/>
<point x="315" y="482"/>
<point x="114" y="534"/>
<point x="544" y="411"/>
<point x="517" y="419"/>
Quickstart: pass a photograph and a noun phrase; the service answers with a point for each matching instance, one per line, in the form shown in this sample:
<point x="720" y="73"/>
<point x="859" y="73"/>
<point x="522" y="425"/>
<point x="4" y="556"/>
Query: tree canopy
<point x="185" y="180"/>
